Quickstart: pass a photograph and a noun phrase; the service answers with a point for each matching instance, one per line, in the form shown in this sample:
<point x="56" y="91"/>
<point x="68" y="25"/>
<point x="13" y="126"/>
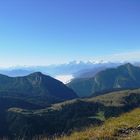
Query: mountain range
<point x="73" y="68"/>
<point x="38" y="104"/>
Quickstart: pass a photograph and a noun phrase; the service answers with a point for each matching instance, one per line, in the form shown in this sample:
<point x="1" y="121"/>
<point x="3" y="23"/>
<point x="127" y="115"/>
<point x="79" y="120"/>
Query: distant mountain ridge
<point x="122" y="77"/>
<point x="16" y="72"/>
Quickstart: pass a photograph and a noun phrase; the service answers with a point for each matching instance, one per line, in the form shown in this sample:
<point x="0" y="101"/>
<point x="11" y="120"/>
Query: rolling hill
<point x="70" y="115"/>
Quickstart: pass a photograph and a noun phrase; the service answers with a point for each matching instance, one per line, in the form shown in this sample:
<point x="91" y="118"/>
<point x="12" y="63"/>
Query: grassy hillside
<point x="75" y="114"/>
<point x="126" y="127"/>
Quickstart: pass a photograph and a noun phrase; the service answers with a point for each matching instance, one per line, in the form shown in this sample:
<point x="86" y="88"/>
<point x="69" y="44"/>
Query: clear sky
<point x="41" y="32"/>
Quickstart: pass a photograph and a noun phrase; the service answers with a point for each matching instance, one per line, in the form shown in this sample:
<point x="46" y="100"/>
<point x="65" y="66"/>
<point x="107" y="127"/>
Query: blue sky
<point x="42" y="32"/>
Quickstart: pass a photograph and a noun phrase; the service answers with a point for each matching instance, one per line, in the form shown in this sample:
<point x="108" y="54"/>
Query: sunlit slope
<point x="125" y="127"/>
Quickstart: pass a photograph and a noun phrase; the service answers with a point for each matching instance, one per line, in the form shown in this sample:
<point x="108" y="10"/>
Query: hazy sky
<point x="40" y="32"/>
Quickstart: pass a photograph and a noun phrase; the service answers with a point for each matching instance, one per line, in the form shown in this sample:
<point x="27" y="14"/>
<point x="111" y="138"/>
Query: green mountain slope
<point x="75" y="114"/>
<point x="122" y="77"/>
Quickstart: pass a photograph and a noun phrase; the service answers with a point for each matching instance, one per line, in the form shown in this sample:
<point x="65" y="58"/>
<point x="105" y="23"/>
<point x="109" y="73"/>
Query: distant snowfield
<point x="64" y="78"/>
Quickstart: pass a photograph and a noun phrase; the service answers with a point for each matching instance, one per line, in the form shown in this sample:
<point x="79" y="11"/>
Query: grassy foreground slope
<point x="63" y="118"/>
<point x="126" y="127"/>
